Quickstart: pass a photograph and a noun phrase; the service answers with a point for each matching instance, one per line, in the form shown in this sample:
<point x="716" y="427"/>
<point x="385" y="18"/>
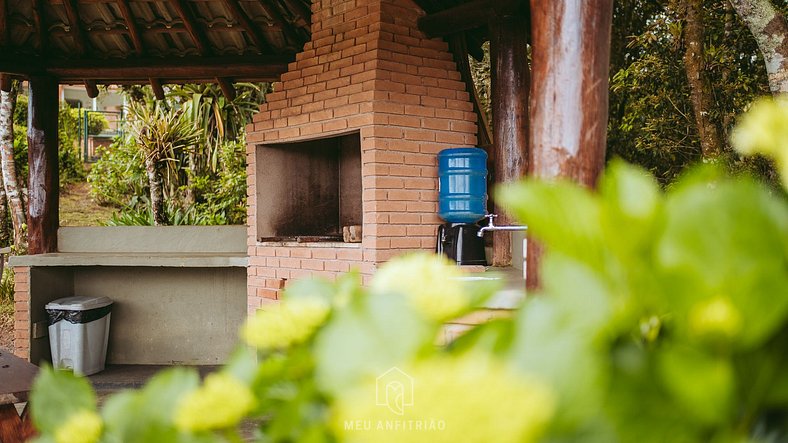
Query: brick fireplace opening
<point x="310" y="190"/>
<point x="350" y="137"/>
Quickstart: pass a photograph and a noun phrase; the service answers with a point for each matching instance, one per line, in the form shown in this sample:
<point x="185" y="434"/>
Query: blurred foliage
<point x="663" y="317"/>
<point x="203" y="184"/>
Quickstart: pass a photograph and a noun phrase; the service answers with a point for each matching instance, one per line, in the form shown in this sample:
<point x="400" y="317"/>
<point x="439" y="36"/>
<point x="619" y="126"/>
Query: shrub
<point x="7" y="286"/>
<point x="662" y="318"/>
<point x="139" y="213"/>
<point x="69" y="159"/>
<point x="118" y="175"/>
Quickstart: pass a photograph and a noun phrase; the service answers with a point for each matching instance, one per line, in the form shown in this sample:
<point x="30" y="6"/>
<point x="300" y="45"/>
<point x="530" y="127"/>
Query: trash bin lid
<point x="78" y="303"/>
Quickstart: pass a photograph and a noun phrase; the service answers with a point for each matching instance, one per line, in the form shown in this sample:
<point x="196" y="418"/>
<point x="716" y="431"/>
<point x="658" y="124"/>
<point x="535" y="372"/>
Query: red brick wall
<point x="22" y="311"/>
<point x="368" y="69"/>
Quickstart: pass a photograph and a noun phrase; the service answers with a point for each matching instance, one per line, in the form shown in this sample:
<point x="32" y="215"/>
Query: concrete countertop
<point x="511" y="295"/>
<point x="158" y="259"/>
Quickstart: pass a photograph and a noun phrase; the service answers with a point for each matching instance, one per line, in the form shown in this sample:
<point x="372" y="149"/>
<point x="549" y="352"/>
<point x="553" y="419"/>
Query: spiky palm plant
<point x="222" y="120"/>
<point x="160" y="133"/>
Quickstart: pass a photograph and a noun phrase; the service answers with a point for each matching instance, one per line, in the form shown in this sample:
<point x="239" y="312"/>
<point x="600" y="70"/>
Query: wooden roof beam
<point x="158" y="89"/>
<point x="277" y="17"/>
<point x="197" y="34"/>
<point x="3" y="23"/>
<point x="91" y="88"/>
<point x="131" y="25"/>
<point x="38" y="24"/>
<point x="302" y="11"/>
<point x="260" y="68"/>
<point x="467" y="16"/>
<point x="246" y="23"/>
<point x="5" y="82"/>
<point x="75" y="27"/>
<point x="227" y="88"/>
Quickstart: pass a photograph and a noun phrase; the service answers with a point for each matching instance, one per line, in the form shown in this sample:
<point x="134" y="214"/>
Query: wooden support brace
<point x="465" y="16"/>
<point x="248" y="26"/>
<point x="91" y="88"/>
<point x="189" y="21"/>
<point x="158" y="89"/>
<point x="131" y="25"/>
<point x="277" y="17"/>
<point x="3" y="23"/>
<point x="42" y="142"/>
<point x="227" y="88"/>
<point x="5" y="82"/>
<point x="75" y="26"/>
<point x="459" y="49"/>
<point x="38" y="25"/>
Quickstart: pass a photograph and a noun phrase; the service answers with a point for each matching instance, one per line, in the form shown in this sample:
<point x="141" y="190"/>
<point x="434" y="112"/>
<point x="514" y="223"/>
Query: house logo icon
<point x="394" y="389"/>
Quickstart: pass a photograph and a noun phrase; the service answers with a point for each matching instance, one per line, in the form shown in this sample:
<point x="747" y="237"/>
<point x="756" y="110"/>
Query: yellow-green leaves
<point x="81" y="427"/>
<point x="470" y="399"/>
<point x="715" y="319"/>
<point x="281" y="325"/>
<point x="430" y="283"/>
<point x="764" y="130"/>
<point x="219" y="404"/>
<point x="64" y="405"/>
<point x="147" y="414"/>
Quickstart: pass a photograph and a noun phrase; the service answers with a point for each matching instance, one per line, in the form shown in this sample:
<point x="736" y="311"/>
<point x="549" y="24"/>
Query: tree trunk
<point x="7" y="105"/>
<point x="6" y="235"/>
<point x="156" y="192"/>
<point x="770" y="30"/>
<point x="700" y="90"/>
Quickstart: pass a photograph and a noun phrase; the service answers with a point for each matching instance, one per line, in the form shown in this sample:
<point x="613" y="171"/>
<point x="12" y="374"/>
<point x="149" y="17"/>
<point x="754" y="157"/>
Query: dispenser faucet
<point x="491" y="227"/>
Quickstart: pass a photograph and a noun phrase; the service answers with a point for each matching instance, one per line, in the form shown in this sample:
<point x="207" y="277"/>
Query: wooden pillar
<point x="510" y="83"/>
<point x="42" y="143"/>
<point x="569" y="94"/>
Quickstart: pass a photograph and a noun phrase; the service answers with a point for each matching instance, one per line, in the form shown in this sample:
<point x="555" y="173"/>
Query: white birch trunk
<point x="769" y="28"/>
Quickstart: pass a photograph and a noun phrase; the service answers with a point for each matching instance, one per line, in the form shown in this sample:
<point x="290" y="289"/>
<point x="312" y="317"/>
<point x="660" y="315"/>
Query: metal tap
<point x="491" y="227"/>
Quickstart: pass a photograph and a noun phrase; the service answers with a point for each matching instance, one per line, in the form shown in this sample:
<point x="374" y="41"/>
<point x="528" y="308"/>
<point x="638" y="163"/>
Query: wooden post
<point x="569" y="95"/>
<point x="43" y="211"/>
<point x="510" y="83"/>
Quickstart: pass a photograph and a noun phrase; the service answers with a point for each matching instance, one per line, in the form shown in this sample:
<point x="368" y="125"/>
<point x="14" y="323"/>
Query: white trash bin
<point x="78" y="332"/>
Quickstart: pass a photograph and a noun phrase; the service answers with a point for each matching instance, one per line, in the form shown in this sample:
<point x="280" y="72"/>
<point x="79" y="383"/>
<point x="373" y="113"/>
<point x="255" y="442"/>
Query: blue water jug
<point x="462" y="184"/>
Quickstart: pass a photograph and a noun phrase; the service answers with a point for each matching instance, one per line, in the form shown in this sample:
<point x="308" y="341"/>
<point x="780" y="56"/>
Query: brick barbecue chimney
<point x="349" y="138"/>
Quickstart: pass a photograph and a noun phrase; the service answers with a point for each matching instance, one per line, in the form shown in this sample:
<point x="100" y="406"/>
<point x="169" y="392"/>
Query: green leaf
<point x="368" y="337"/>
<point x="56" y="396"/>
<point x="562" y="215"/>
<point x="146" y="415"/>
<point x="548" y="345"/>
<point x="702" y="384"/>
<point x="730" y="240"/>
<point x="242" y="364"/>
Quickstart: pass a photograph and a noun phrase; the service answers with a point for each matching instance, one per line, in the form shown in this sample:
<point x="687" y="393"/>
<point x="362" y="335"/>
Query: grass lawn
<point x="78" y="209"/>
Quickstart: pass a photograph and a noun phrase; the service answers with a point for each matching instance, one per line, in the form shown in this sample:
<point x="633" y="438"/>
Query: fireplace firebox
<point x="309" y="190"/>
